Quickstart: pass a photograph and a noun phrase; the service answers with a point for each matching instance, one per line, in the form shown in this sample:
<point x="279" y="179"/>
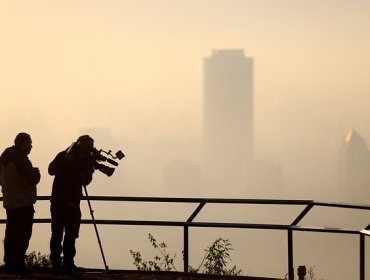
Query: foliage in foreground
<point x="163" y="262"/>
<point x="214" y="261"/>
<point x="36" y="260"/>
<point x="310" y="275"/>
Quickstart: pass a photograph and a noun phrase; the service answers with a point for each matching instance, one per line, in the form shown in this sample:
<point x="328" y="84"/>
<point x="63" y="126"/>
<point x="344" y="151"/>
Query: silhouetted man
<point x="73" y="169"/>
<point x="18" y="179"/>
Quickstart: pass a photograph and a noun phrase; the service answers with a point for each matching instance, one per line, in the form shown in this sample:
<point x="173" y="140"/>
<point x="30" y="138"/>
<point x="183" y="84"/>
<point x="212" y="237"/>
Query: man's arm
<point x="27" y="171"/>
<point x="56" y="164"/>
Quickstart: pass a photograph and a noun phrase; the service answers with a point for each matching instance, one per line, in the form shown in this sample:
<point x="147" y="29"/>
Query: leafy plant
<point x="37" y="260"/>
<point x="214" y="261"/>
<point x="163" y="262"/>
<point x="310" y="274"/>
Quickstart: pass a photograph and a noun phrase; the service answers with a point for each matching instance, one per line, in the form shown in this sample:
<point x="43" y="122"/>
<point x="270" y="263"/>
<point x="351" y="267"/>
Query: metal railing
<point x="201" y="202"/>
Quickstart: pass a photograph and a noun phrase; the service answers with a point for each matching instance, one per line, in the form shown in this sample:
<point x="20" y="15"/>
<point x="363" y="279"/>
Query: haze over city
<point x="130" y="74"/>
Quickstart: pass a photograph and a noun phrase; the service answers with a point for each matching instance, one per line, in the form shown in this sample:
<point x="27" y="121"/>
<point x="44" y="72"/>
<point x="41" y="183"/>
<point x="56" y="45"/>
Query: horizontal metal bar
<point x="208" y="224"/>
<point x="239" y="225"/>
<point x="192" y="200"/>
<point x="169" y="223"/>
<point x="135" y="199"/>
<point x="325" y="229"/>
<point x="35" y="221"/>
<point x="342" y="205"/>
<point x="220" y="200"/>
<point x="136" y="222"/>
<point x="192" y="224"/>
<point x="181" y="224"/>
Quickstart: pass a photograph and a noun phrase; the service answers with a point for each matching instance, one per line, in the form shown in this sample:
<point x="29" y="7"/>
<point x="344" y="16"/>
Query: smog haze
<point x="130" y="74"/>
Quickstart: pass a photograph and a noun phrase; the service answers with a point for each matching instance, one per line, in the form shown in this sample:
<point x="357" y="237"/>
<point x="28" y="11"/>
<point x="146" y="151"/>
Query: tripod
<point x="96" y="229"/>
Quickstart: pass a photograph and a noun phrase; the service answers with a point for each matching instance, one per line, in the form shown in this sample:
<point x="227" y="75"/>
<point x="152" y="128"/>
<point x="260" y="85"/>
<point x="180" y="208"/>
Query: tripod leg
<point x="96" y="228"/>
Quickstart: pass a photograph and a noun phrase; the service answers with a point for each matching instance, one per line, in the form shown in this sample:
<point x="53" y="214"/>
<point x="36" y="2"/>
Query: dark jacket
<point x="71" y="173"/>
<point x="18" y="179"/>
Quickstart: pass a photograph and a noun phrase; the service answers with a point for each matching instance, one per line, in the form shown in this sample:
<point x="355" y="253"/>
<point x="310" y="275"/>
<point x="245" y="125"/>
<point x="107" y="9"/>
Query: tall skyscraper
<point x="227" y="122"/>
<point x="355" y="166"/>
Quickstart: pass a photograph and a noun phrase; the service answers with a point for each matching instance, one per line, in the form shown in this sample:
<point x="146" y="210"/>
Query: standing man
<point x="73" y="169"/>
<point x="18" y="179"/>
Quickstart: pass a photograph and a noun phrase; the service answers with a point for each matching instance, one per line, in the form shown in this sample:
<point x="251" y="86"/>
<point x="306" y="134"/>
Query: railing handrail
<point x="193" y="200"/>
<point x="290" y="227"/>
<point x="222" y="200"/>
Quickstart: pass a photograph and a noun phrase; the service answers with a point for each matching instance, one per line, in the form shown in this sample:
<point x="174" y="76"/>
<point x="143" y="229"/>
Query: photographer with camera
<point x="73" y="169"/>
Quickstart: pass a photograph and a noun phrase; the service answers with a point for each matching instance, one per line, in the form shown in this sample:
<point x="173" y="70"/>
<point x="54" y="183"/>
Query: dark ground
<point x="127" y="275"/>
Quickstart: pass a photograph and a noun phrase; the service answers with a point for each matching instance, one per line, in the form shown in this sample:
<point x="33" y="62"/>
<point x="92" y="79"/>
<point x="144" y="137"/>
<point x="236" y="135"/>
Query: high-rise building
<point x="355" y="167"/>
<point x="227" y="121"/>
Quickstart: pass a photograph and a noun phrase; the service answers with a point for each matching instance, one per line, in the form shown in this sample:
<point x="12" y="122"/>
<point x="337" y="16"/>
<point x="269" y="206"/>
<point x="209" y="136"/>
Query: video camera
<point x="98" y="157"/>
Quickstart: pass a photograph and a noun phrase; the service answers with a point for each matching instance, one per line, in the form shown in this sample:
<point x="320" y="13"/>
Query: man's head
<point x="85" y="143"/>
<point x="23" y="142"/>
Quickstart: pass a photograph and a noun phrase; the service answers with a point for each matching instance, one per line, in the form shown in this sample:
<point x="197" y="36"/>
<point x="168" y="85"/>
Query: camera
<point x="98" y="157"/>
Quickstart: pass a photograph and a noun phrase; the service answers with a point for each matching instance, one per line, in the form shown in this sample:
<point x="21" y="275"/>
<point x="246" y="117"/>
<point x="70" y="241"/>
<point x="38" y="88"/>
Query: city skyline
<point x="131" y="72"/>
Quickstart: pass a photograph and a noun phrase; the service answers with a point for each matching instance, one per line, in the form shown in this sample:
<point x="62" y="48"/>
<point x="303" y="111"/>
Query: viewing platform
<point x="291" y="227"/>
<point x="95" y="274"/>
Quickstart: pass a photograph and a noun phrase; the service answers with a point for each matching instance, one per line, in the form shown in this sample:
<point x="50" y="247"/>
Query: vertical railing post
<point x="186" y="235"/>
<point x="186" y="249"/>
<point x="290" y="255"/>
<point x="302" y="271"/>
<point x="362" y="256"/>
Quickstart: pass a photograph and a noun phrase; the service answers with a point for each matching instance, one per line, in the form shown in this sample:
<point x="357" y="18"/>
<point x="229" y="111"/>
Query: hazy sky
<point x="135" y="68"/>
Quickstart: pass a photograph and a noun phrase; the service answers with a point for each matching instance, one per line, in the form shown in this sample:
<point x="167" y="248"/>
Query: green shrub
<point x="214" y="261"/>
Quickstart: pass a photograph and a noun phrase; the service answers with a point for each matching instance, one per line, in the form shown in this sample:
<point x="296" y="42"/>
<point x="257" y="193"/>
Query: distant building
<point x="228" y="133"/>
<point x="355" y="168"/>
